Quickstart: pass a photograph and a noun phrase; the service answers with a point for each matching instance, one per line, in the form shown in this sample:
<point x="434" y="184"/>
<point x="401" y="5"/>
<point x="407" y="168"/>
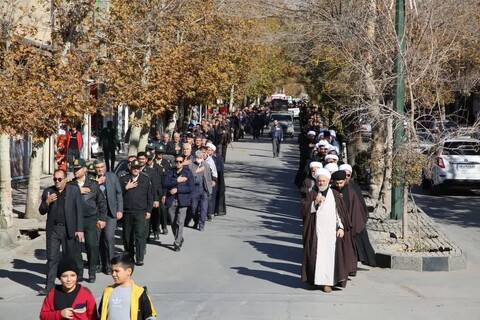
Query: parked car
<point x="295" y="111"/>
<point x="457" y="163"/>
<point x="285" y="119"/>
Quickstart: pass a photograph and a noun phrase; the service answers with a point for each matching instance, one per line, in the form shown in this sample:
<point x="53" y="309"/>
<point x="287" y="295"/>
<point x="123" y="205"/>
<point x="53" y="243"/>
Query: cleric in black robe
<point x="356" y="206"/>
<point x="343" y="248"/>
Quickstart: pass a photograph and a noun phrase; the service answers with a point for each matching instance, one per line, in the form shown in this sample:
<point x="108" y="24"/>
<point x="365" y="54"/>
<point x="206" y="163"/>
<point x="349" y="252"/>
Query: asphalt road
<point x="246" y="265"/>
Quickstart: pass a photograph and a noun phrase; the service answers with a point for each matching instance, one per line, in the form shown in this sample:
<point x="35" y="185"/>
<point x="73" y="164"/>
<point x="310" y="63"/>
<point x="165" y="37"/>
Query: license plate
<point x="466" y="166"/>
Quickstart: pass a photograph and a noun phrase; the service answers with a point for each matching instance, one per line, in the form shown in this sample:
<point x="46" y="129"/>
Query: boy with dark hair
<point x="125" y="299"/>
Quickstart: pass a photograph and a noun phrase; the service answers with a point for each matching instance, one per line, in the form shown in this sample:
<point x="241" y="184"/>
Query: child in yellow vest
<point x="125" y="299"/>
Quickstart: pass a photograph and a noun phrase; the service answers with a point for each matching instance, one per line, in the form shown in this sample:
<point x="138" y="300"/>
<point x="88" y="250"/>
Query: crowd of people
<point x="177" y="181"/>
<point x="333" y="209"/>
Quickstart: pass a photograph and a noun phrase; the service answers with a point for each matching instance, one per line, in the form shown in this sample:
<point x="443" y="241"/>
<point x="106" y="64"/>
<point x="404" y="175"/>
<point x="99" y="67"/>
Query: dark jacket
<point x="184" y="188"/>
<point x="155" y="181"/>
<point x="114" y="194"/>
<point x="94" y="202"/>
<point x="138" y="200"/>
<point x="73" y="209"/>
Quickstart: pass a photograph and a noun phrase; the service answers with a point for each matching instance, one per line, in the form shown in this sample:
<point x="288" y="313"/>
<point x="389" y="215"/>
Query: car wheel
<point x="437" y="190"/>
<point x="426" y="184"/>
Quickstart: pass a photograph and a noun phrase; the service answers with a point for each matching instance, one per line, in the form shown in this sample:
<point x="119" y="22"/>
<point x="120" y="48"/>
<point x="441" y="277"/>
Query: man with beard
<point x="62" y="203"/>
<point x="366" y="254"/>
<point x="179" y="183"/>
<point x="325" y="251"/>
<point x="111" y="189"/>
<point x="94" y="216"/>
<point x="137" y="205"/>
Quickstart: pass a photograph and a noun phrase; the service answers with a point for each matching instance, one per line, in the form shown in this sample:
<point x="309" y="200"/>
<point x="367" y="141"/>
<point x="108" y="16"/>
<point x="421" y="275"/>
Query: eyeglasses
<point x="349" y="175"/>
<point x="57" y="179"/>
<point x="176" y="161"/>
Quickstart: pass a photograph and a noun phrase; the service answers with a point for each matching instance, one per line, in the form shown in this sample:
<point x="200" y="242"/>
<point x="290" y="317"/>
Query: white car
<point x="295" y="112"/>
<point x="457" y="163"/>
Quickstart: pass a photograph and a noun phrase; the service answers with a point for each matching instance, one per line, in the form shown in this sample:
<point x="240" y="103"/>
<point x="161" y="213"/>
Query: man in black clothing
<point x="63" y="205"/>
<point x="137" y="207"/>
<point x="164" y="165"/>
<point x="109" y="141"/>
<point x="94" y="215"/>
<point x="152" y="173"/>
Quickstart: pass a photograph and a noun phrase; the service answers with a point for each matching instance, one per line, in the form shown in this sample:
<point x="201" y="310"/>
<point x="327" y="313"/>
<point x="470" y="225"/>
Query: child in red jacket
<point x="69" y="300"/>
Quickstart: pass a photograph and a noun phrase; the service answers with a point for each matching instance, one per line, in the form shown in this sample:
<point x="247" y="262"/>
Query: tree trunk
<point x="135" y="131"/>
<point x="143" y="139"/>
<point x="172" y="120"/>
<point x="377" y="161"/>
<point x="232" y="97"/>
<point x="6" y="201"/>
<point x="35" y="171"/>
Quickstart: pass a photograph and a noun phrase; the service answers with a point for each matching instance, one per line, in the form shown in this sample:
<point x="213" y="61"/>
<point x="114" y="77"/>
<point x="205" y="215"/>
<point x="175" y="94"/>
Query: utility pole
<point x="399" y="103"/>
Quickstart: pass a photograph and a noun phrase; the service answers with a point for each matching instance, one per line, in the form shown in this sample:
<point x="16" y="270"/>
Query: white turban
<point x="345" y="167"/>
<point x="333" y="133"/>
<point x="315" y="164"/>
<point x="211" y="146"/>
<point x="311" y="133"/>
<point x="332" y="148"/>
<point x="322" y="143"/>
<point x="322" y="172"/>
<point x="331" y="167"/>
<point x="331" y="156"/>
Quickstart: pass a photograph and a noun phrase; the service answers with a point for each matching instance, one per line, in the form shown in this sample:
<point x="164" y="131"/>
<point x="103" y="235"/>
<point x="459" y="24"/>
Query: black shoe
<point x="195" y="226"/>
<point x="99" y="269"/>
<point x="156" y="235"/>
<point x="209" y="217"/>
<point x="201" y="228"/>
<point x="43" y="292"/>
<point x="107" y="271"/>
<point x="221" y="214"/>
<point x="91" y="279"/>
<point x="176" y="248"/>
<point x="165" y="231"/>
<point x="181" y="242"/>
<point x="139" y="263"/>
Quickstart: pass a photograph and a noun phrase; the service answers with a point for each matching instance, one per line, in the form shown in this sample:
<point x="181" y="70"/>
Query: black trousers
<point x="92" y="243"/>
<point x="71" y="156"/>
<point x="109" y="155"/>
<point x="134" y="239"/>
<point x="107" y="242"/>
<point x="56" y="239"/>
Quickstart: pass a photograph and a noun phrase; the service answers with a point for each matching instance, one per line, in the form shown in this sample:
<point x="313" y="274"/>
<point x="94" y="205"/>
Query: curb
<point x="452" y="258"/>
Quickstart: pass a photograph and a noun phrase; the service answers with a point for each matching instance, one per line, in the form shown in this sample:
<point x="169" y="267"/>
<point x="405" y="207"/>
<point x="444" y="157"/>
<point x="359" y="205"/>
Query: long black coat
<point x="343" y="246"/>
<point x="73" y="209"/>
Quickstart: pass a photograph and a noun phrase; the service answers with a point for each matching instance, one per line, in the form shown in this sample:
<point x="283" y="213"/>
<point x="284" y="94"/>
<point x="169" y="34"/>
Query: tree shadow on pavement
<point x="452" y="209"/>
<point x="272" y="276"/>
<point x="26" y="278"/>
<point x="268" y="189"/>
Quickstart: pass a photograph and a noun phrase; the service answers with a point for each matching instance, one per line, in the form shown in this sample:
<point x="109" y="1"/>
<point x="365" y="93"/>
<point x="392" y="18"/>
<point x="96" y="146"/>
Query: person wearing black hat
<point x="364" y="251"/>
<point x="62" y="203"/>
<point x="155" y="180"/>
<point x="137" y="207"/>
<point x="94" y="215"/>
<point x="69" y="300"/>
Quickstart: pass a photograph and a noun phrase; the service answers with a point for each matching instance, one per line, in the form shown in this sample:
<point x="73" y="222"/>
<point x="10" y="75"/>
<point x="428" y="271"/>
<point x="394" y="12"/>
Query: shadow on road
<point x="26" y="278"/>
<point x="457" y="206"/>
<point x="269" y="190"/>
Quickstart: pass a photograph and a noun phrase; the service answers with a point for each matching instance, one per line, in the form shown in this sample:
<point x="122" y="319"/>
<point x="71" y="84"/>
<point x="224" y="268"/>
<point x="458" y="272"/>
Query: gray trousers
<point x="107" y="242"/>
<point x="177" y="216"/>
<point x="276" y="146"/>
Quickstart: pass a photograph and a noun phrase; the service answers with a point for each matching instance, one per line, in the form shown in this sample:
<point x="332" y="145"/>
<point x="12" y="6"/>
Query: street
<point x="246" y="265"/>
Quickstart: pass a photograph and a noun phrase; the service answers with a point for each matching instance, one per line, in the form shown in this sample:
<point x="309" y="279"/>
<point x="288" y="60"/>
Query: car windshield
<point x="462" y="148"/>
<point x="281" y="117"/>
